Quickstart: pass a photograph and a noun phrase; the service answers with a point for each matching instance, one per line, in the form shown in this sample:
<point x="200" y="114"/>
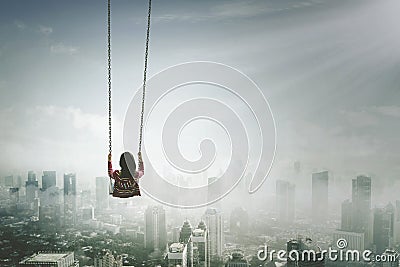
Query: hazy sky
<point x="329" y="69"/>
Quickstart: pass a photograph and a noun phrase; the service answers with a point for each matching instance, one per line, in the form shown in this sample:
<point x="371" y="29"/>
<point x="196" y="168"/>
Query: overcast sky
<point x="329" y="69"/>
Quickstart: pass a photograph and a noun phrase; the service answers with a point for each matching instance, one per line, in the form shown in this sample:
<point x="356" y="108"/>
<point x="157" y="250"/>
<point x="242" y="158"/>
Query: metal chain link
<point x="144" y="77"/>
<point x="109" y="76"/>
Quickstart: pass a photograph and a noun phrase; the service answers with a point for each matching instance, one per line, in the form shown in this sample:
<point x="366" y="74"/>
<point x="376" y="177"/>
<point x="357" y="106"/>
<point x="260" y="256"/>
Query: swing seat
<point x="126" y="187"/>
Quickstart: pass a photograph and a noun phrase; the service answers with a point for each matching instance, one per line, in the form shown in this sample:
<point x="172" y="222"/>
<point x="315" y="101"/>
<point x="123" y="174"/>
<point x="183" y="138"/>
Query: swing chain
<point x="144" y="77"/>
<point x="109" y="75"/>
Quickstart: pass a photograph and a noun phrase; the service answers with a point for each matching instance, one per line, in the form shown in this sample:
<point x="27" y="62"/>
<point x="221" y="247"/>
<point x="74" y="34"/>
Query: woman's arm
<point x="110" y="169"/>
<point x="141" y="165"/>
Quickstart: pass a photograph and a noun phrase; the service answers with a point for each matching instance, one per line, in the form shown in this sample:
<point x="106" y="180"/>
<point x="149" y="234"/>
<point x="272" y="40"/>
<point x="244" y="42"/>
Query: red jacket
<point x="126" y="186"/>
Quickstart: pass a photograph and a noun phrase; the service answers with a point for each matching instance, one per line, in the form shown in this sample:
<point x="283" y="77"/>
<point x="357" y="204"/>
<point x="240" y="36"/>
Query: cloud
<point x="66" y="139"/>
<point x="360" y="118"/>
<point x="236" y="10"/>
<point x="20" y="25"/>
<point x="45" y="30"/>
<point x="391" y="111"/>
<point x="74" y="116"/>
<point x="61" y="48"/>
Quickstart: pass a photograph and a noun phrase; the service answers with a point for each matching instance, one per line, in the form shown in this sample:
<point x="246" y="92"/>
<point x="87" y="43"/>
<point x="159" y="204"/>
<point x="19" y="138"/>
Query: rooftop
<point x="45" y="257"/>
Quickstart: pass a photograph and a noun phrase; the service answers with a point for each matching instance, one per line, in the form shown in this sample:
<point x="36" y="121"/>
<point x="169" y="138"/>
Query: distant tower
<point x="347" y="214"/>
<point x="285" y="201"/>
<point x="214" y="222"/>
<point x="155" y="228"/>
<point x="32" y="191"/>
<point x="186" y="232"/>
<point x="102" y="192"/>
<point x="185" y="237"/>
<point x="396" y="223"/>
<point x="49" y="179"/>
<point x="14" y="195"/>
<point x="201" y="242"/>
<point x="383" y="228"/>
<point x="239" y="221"/>
<point x="320" y="206"/>
<point x="70" y="199"/>
<point x="361" y="197"/>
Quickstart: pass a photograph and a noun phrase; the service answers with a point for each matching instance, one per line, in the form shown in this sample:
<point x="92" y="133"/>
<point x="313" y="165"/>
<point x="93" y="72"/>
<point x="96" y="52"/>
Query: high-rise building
<point x="185" y="237"/>
<point x="320" y="206"/>
<point x="383" y="228"/>
<point x="361" y="198"/>
<point x="201" y="245"/>
<point x="285" y="201"/>
<point x="237" y="259"/>
<point x="186" y="232"/>
<point x="49" y="259"/>
<point x="32" y="187"/>
<point x="214" y="222"/>
<point x="49" y="179"/>
<point x="102" y="188"/>
<point x="155" y="228"/>
<point x="396" y="223"/>
<point x="347" y="214"/>
<point x="239" y="221"/>
<point x="70" y="199"/>
<point x="177" y="255"/>
<point x="14" y="195"/>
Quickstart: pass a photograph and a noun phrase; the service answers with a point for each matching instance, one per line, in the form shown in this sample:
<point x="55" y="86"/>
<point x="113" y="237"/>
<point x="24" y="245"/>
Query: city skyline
<point x="307" y="92"/>
<point x="348" y="132"/>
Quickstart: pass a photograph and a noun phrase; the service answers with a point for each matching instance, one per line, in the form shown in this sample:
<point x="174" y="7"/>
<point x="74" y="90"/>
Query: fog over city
<point x="329" y="74"/>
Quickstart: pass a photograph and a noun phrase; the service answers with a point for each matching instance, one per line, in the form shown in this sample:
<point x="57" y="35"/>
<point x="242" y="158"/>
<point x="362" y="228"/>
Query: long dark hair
<point x="128" y="165"/>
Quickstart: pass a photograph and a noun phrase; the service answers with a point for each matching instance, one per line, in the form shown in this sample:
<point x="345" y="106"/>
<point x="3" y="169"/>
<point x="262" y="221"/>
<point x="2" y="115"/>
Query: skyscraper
<point x="361" y="198"/>
<point x="285" y="201"/>
<point x="383" y="228"/>
<point x="155" y="228"/>
<point x="396" y="223"/>
<point x="320" y="206"/>
<point x="185" y="237"/>
<point x="201" y="242"/>
<point x="49" y="179"/>
<point x="14" y="195"/>
<point x="186" y="232"/>
<point x="32" y="191"/>
<point x="347" y="214"/>
<point x="70" y="199"/>
<point x="214" y="222"/>
<point x="102" y="188"/>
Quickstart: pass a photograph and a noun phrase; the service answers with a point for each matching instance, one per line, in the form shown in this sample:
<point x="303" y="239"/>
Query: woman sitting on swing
<point x="126" y="180"/>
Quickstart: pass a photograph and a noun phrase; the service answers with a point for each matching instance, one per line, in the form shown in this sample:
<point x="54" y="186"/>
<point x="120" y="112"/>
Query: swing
<point x="126" y="187"/>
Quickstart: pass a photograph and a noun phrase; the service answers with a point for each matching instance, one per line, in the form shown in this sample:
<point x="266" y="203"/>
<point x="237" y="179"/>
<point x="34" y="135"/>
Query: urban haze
<point x="330" y="71"/>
